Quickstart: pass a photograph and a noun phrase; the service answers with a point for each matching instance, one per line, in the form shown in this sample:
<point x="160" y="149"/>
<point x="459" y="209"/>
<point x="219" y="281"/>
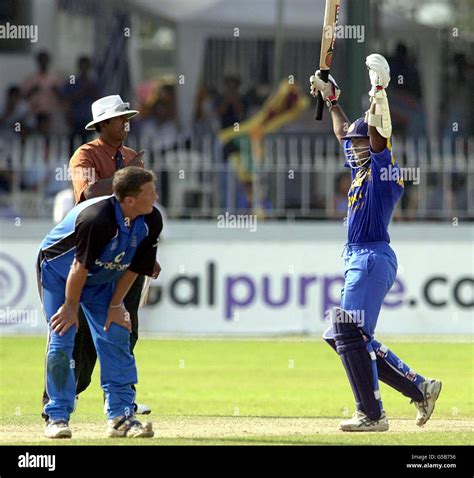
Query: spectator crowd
<point x="45" y="105"/>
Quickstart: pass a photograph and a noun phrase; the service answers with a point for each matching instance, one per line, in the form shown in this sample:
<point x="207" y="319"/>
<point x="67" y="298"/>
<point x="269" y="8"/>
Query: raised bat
<point x="331" y="15"/>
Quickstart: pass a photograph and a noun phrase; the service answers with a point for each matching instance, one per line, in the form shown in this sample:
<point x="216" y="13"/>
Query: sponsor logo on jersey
<point x="112" y="266"/>
<point x="119" y="257"/>
<point x="115" y="265"/>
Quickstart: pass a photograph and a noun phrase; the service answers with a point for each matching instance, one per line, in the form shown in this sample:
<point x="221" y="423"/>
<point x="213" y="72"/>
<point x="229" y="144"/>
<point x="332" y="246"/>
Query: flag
<point x="281" y="108"/>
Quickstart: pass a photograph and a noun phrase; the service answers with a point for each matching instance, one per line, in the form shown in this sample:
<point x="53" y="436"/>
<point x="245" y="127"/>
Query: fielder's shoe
<point x="142" y="409"/>
<point x="129" y="427"/>
<point x="360" y="422"/>
<point x="430" y="389"/>
<point x="139" y="409"/>
<point x="57" y="429"/>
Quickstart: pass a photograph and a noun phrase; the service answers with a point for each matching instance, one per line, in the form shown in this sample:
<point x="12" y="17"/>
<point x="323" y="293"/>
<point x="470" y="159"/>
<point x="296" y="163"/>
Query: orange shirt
<point x="94" y="161"/>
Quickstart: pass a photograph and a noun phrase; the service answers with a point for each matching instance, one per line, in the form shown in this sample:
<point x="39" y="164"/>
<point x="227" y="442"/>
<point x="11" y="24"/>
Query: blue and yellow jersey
<point x="372" y="197"/>
<point x="96" y="233"/>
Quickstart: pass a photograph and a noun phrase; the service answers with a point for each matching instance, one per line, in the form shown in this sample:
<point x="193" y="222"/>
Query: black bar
<point x="350" y="461"/>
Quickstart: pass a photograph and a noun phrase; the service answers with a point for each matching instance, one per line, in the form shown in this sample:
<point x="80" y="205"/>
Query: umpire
<point x="92" y="167"/>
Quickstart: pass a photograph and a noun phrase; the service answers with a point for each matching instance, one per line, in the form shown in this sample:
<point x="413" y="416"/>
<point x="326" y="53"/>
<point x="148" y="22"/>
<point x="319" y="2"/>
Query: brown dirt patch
<point x="228" y="427"/>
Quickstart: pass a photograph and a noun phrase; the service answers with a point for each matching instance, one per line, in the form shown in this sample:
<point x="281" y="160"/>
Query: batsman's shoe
<point x="142" y="409"/>
<point x="360" y="422"/>
<point x="129" y="427"/>
<point x="57" y="429"/>
<point x="431" y="389"/>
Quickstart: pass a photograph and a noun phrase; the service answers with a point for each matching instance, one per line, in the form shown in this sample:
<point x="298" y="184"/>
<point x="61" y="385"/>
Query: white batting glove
<point x="379" y="72"/>
<point x="330" y="91"/>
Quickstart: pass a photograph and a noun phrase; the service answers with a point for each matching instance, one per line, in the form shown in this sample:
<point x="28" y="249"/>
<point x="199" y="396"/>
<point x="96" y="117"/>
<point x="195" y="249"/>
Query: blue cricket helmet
<point x="358" y="129"/>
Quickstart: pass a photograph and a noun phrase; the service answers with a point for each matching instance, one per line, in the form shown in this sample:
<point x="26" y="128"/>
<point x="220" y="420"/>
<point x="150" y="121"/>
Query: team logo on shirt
<point x="133" y="243"/>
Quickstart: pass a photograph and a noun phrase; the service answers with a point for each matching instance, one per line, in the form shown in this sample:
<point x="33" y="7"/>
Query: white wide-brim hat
<point x="109" y="107"/>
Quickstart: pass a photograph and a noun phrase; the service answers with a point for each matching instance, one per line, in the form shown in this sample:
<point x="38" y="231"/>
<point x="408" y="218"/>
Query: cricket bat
<point x="331" y="15"/>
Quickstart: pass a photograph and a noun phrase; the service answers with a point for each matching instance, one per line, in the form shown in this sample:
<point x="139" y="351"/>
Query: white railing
<point x="295" y="177"/>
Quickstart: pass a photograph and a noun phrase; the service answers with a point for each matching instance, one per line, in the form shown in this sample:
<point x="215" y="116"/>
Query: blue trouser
<point x="370" y="271"/>
<point x="117" y="365"/>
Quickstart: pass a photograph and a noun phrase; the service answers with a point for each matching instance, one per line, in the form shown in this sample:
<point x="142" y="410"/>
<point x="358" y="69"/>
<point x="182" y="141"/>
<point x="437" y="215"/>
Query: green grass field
<point x="243" y="392"/>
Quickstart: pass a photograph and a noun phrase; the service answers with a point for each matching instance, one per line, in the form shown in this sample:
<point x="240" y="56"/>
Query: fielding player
<point x="91" y="260"/>
<point x="370" y="263"/>
<point x="92" y="167"/>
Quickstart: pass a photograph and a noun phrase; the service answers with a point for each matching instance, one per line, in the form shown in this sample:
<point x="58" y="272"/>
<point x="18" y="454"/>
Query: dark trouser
<point x="393" y="379"/>
<point x="84" y="353"/>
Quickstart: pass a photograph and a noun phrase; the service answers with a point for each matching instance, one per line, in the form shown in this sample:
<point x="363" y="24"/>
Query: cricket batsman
<point x="370" y="263"/>
<point x="90" y="260"/>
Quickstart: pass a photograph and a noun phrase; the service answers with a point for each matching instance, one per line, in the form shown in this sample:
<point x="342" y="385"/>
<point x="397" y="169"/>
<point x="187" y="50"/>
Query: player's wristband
<point x="116" y="306"/>
<point x="331" y="103"/>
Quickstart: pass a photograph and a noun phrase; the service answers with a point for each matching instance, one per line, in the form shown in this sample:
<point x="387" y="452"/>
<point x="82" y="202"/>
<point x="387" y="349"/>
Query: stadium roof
<point x="296" y="13"/>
